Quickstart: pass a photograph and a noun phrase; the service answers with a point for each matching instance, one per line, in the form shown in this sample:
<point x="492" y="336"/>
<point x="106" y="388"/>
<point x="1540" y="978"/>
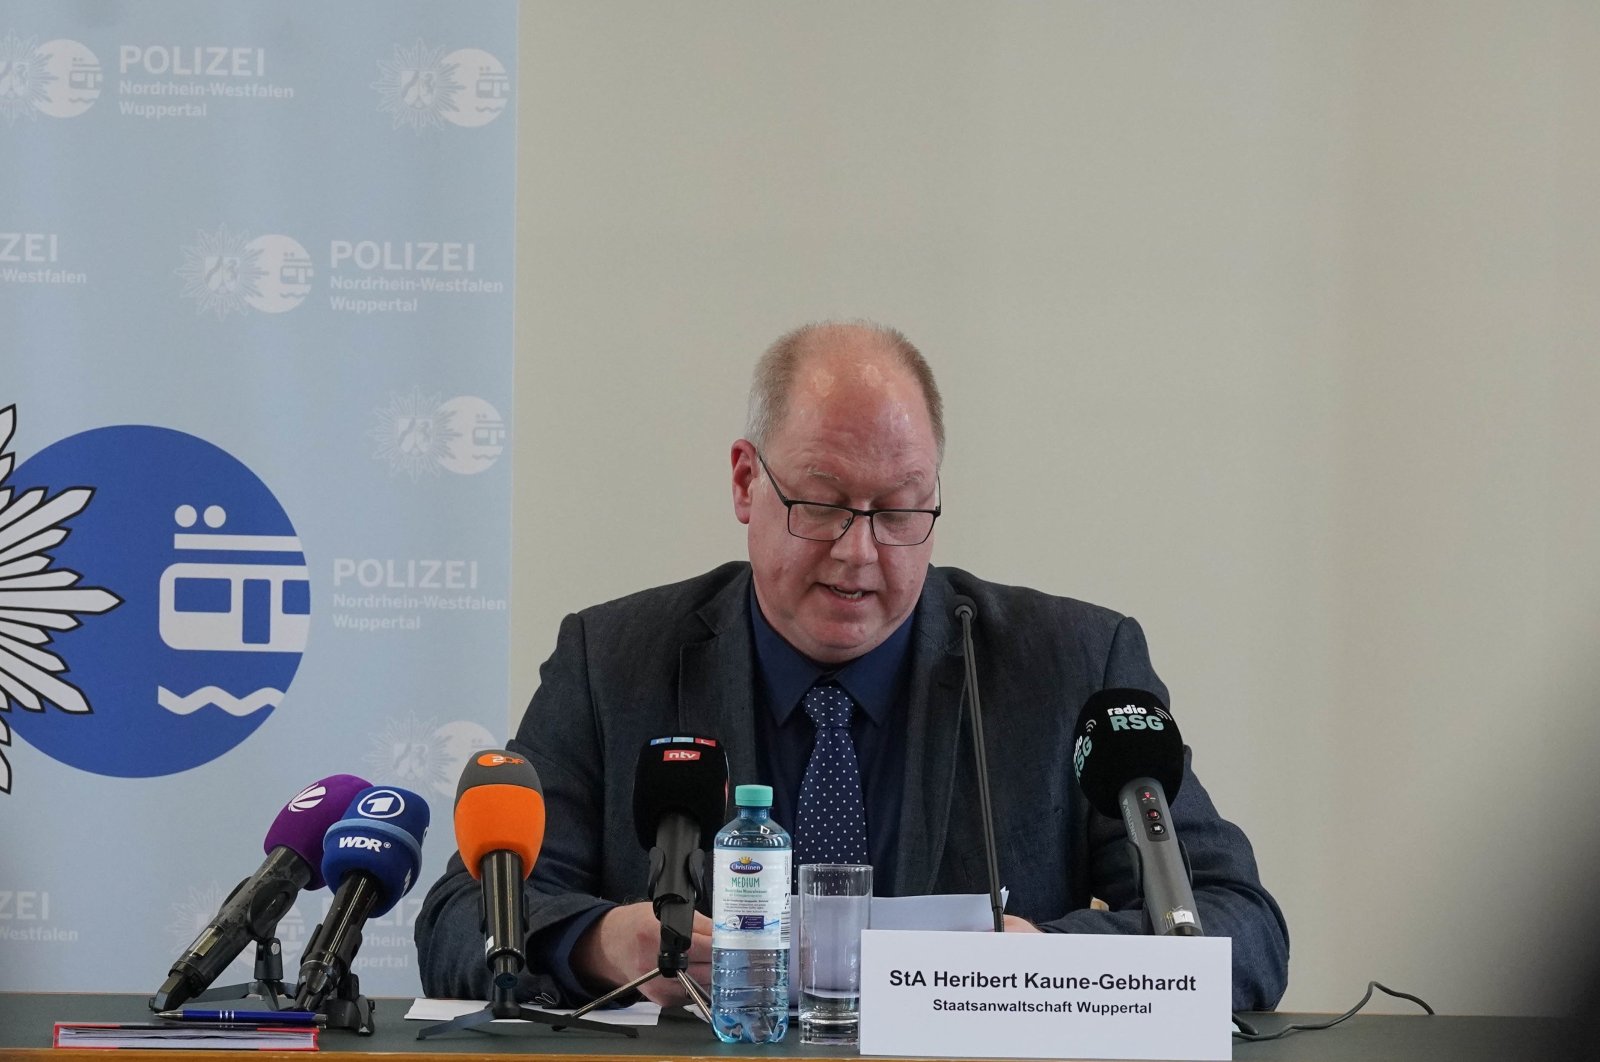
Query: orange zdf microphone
<point x="499" y="828"/>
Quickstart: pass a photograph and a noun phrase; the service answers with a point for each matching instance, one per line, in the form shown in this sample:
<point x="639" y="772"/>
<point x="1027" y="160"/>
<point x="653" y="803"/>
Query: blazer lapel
<point x="716" y="681"/>
<point x="933" y="738"/>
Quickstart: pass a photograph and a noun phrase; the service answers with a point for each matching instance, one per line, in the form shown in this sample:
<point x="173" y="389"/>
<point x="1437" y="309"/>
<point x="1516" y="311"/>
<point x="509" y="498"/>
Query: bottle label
<point x="750" y="899"/>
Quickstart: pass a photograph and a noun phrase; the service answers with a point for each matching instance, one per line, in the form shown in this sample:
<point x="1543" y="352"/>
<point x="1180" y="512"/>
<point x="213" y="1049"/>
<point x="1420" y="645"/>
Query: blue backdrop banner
<point x="255" y="371"/>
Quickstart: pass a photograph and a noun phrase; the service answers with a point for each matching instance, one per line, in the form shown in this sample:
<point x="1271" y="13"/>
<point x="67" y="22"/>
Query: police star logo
<point x="419" y="87"/>
<point x="24" y="78"/>
<point x="414" y="433"/>
<point x="36" y="597"/>
<point x="222" y="272"/>
<point x="425" y="754"/>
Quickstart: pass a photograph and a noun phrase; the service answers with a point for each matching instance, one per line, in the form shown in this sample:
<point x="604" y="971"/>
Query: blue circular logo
<point x="215" y="609"/>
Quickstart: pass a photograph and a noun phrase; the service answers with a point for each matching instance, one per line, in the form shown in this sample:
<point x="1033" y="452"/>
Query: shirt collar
<point x="786" y="674"/>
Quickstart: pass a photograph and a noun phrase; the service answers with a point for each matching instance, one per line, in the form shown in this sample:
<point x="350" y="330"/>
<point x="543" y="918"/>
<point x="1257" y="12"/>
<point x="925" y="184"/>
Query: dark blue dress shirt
<point x="785" y="734"/>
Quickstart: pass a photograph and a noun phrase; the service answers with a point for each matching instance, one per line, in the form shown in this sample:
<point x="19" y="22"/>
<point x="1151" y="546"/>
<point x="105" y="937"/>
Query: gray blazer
<point x="679" y="659"/>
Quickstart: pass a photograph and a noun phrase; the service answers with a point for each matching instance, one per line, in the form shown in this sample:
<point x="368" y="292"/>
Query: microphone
<point x="252" y="910"/>
<point x="373" y="853"/>
<point x="966" y="610"/>
<point x="499" y="820"/>
<point x="680" y="797"/>
<point x="499" y="828"/>
<point x="1128" y="759"/>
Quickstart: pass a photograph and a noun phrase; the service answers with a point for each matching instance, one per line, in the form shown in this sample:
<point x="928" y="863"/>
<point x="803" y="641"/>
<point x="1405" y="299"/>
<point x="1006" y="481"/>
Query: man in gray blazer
<point x="837" y="483"/>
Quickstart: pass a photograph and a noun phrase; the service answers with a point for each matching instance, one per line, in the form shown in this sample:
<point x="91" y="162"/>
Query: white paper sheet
<point x="643" y="1013"/>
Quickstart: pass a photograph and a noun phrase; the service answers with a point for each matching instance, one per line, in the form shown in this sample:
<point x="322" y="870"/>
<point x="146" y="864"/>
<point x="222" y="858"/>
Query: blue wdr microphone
<point x="372" y="857"/>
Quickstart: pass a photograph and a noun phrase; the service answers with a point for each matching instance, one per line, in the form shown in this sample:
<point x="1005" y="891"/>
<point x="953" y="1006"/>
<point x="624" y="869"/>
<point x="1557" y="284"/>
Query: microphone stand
<point x="503" y="1004"/>
<point x="348" y="1008"/>
<point x="268" y="985"/>
<point x="964" y="612"/>
<point x="503" y="878"/>
<point x="673" y="889"/>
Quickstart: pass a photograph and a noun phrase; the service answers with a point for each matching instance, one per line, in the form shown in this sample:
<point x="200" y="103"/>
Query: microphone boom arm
<point x="964" y="612"/>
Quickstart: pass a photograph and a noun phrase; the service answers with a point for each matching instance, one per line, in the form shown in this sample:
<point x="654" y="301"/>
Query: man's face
<point x="857" y="433"/>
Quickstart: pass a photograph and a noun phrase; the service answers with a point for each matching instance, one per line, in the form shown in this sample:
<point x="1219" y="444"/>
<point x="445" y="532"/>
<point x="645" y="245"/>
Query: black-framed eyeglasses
<point x="817" y="522"/>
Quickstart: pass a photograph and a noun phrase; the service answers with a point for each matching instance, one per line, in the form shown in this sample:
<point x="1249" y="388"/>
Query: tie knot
<point x="829" y="706"/>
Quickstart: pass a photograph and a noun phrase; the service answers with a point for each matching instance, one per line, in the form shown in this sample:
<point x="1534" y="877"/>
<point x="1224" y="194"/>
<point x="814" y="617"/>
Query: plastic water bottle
<point x="750" y="923"/>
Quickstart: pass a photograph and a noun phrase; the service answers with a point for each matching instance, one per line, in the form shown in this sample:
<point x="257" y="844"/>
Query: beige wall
<point x="1274" y="325"/>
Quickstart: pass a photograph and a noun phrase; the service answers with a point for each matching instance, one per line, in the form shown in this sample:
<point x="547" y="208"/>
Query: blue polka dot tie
<point x="831" y="822"/>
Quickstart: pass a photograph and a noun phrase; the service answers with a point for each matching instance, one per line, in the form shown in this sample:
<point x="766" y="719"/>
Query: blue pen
<point x="247" y="1017"/>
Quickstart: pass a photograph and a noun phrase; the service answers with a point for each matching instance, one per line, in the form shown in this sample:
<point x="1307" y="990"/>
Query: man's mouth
<point x="848" y="595"/>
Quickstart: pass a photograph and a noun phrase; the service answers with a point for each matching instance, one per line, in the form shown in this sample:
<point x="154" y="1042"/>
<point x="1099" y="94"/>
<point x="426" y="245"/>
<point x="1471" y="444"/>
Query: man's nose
<point x="856" y="545"/>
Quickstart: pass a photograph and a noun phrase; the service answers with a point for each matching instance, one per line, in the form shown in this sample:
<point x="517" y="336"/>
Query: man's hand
<point x="624" y="943"/>
<point x="1014" y="924"/>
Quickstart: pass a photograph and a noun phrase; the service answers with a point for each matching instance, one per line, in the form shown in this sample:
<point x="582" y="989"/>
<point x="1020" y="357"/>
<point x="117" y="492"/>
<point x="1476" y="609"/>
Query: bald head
<point x="836" y="356"/>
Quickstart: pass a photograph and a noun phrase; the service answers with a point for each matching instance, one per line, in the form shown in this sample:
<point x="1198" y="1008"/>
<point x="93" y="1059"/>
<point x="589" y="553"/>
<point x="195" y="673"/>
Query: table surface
<point x="27" y="1020"/>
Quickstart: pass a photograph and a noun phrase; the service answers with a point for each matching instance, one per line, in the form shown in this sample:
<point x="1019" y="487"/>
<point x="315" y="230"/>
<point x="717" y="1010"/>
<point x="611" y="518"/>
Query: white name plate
<point x="1045" y="995"/>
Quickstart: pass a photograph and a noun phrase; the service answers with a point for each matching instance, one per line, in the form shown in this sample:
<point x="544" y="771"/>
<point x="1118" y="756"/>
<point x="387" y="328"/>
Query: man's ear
<point x="746" y="471"/>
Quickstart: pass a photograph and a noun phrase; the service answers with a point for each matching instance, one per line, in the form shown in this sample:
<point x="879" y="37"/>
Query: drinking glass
<point x="835" y="899"/>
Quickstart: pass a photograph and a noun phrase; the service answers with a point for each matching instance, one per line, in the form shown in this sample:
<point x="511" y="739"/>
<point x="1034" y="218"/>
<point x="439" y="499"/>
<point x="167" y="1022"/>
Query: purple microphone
<point x="251" y="912"/>
<point x="304" y="821"/>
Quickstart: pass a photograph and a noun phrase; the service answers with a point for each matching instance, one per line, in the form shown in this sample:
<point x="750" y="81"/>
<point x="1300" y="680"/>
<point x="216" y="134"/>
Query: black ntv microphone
<point x="680" y="798"/>
<point x="966" y="611"/>
<point x="1128" y="758"/>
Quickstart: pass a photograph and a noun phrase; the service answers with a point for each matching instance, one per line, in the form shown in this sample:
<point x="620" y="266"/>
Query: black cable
<point x="1246" y="1031"/>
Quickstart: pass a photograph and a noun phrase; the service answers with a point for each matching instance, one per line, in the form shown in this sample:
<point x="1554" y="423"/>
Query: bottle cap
<point x="753" y="796"/>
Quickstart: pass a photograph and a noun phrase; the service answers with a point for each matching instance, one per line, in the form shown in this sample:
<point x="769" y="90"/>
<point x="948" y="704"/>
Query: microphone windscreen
<point x="304" y="820"/>
<point x="1121" y="735"/>
<point x="687" y="775"/>
<point x="499" y="808"/>
<point x="381" y="834"/>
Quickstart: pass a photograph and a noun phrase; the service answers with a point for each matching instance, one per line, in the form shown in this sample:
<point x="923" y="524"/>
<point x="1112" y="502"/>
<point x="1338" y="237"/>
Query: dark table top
<point x="27" y="1020"/>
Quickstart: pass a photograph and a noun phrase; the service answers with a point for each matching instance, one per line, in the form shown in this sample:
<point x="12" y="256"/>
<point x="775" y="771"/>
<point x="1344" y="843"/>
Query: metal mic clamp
<point x="348" y="1008"/>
